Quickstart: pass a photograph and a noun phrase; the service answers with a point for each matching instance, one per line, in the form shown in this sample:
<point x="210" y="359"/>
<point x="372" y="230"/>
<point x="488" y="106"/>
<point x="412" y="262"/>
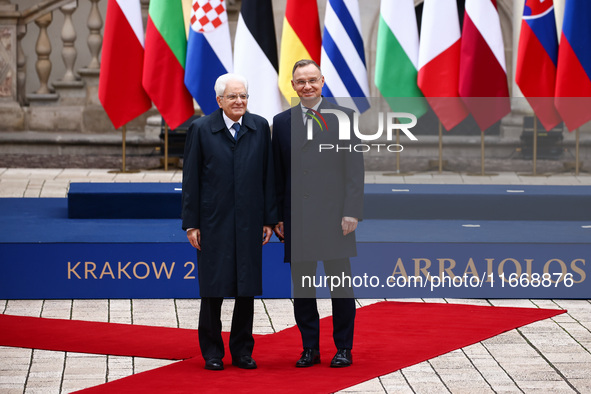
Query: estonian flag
<point x="255" y="57"/>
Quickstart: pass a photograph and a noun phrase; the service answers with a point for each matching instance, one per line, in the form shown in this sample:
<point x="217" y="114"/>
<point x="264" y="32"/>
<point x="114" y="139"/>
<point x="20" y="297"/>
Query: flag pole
<point x="123" y="154"/>
<point x="440" y="148"/>
<point x="534" y="149"/>
<point x="397" y="172"/>
<point x="482" y="153"/>
<point x="166" y="147"/>
<point x="535" y="143"/>
<point x="482" y="172"/>
<point x="123" y="138"/>
<point x="577" y="151"/>
<point x="398" y="152"/>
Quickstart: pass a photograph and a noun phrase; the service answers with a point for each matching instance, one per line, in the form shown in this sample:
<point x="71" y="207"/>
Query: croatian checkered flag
<point x="209" y="51"/>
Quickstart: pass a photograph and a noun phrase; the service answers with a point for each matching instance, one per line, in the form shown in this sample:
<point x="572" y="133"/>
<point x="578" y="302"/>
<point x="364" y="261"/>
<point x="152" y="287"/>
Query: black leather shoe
<point x="214" y="364"/>
<point x="343" y="358"/>
<point x="244" y="362"/>
<point x="309" y="357"/>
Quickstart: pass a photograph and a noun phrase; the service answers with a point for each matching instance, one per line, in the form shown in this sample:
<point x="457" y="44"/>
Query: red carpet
<point x="388" y="336"/>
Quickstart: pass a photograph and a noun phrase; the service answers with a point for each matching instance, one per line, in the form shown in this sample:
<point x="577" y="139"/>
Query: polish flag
<point x="439" y="61"/>
<point x="483" y="76"/>
<point x="120" y="82"/>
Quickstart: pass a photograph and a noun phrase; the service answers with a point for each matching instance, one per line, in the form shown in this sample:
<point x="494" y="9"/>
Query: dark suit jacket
<point x="316" y="189"/>
<point x="229" y="194"/>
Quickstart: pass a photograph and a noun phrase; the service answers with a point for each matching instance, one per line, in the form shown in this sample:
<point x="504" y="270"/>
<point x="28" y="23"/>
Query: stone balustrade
<point x="61" y="102"/>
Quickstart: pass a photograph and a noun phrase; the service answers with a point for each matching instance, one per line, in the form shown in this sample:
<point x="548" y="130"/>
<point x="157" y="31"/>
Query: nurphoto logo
<point x="402" y="121"/>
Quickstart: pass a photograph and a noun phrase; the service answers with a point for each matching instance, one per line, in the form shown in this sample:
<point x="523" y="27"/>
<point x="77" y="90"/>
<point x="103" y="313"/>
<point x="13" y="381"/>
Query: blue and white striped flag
<point x="343" y="57"/>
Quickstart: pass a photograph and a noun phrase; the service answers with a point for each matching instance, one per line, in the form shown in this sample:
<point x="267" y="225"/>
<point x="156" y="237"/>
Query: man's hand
<point x="279" y="231"/>
<point x="267" y="232"/>
<point x="348" y="224"/>
<point x="194" y="236"/>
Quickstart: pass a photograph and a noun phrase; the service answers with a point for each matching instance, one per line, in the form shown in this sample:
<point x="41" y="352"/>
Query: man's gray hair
<point x="220" y="83"/>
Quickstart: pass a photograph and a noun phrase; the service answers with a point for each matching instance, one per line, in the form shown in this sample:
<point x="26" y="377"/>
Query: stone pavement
<point x="550" y="356"/>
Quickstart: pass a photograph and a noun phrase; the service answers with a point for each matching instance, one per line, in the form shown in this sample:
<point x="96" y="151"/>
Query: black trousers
<point x="306" y="309"/>
<point x="210" y="328"/>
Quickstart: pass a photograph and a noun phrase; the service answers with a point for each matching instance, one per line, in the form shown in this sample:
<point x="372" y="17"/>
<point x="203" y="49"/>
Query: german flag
<point x="300" y="39"/>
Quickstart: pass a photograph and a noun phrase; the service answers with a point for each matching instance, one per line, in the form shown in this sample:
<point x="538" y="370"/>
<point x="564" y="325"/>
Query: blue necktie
<point x="236" y="127"/>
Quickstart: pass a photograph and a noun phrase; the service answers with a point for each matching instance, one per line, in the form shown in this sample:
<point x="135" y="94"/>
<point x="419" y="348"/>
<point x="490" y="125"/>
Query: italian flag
<point x="397" y="57"/>
<point x="164" y="62"/>
<point x="300" y="39"/>
<point x="439" y="61"/>
<point x="120" y="83"/>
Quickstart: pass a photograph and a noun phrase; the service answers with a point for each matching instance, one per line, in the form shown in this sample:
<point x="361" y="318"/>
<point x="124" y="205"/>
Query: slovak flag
<point x="209" y="51"/>
<point x="537" y="59"/>
<point x="573" y="77"/>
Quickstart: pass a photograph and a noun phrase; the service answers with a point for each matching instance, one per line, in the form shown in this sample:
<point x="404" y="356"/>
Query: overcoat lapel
<point x="248" y="125"/>
<point x="218" y="126"/>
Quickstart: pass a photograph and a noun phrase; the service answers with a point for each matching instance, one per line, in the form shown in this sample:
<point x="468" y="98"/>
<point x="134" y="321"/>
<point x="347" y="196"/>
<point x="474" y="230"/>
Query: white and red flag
<point x="483" y="75"/>
<point x="120" y="82"/>
<point x="439" y="61"/>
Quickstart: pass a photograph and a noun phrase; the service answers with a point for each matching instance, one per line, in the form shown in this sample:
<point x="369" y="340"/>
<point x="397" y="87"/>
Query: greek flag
<point x="343" y="57"/>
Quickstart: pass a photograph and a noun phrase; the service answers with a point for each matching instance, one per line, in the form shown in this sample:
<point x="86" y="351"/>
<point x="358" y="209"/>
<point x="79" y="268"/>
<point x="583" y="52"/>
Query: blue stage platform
<point x="382" y="201"/>
<point x="416" y="241"/>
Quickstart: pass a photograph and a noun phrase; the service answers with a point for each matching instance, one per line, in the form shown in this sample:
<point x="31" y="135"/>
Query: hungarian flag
<point x="300" y="40"/>
<point x="573" y="77"/>
<point x="397" y="56"/>
<point x="537" y="58"/>
<point x="164" y="62"/>
<point x="120" y="83"/>
<point x="255" y="57"/>
<point x="483" y="76"/>
<point x="439" y="61"/>
<point x="209" y="51"/>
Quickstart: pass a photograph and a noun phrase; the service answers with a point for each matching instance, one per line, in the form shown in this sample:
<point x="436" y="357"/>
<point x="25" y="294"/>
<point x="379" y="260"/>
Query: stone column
<point x="11" y="114"/>
<point x="70" y="88"/>
<point x="94" y="118"/>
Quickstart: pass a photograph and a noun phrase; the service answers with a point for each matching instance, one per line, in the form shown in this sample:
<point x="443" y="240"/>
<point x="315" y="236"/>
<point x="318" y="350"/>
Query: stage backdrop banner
<point x="381" y="270"/>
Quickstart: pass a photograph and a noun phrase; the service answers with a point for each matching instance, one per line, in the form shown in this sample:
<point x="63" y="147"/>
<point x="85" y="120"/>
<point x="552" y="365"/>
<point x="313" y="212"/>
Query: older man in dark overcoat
<point x="320" y="199"/>
<point x="228" y="210"/>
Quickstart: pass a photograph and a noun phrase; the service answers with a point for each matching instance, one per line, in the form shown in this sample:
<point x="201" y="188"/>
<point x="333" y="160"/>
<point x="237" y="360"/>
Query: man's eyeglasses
<point x="234" y="97"/>
<point x="303" y="82"/>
